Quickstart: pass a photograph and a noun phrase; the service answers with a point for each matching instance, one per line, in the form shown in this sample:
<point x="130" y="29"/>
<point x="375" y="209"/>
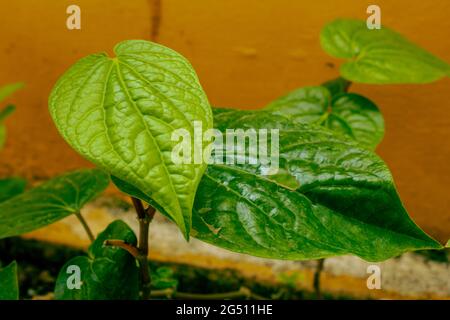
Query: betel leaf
<point x="348" y="113"/>
<point x="304" y="105"/>
<point x="11" y="187"/>
<point x="337" y="86"/>
<point x="9" y="284"/>
<point x="357" y="117"/>
<point x="50" y="201"/>
<point x="9" y="89"/>
<point x="107" y="273"/>
<point x="164" y="278"/>
<point x="346" y="203"/>
<point x="121" y="112"/>
<point x="3" y="115"/>
<point x="379" y="56"/>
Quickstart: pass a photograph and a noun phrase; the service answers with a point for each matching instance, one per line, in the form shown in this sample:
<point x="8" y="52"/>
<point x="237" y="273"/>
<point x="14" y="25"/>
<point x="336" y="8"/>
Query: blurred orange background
<point x="246" y="53"/>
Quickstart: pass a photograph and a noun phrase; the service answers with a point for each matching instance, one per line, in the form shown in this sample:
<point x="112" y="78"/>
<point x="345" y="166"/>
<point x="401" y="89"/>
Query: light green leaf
<point x="448" y="244"/>
<point x="9" y="284"/>
<point x="9" y="89"/>
<point x="11" y="187"/>
<point x="107" y="273"/>
<point x="357" y="117"/>
<point x="120" y="113"/>
<point x="346" y="204"/>
<point x="50" y="201"/>
<point x="348" y="113"/>
<point x="379" y="56"/>
<point x="3" y="114"/>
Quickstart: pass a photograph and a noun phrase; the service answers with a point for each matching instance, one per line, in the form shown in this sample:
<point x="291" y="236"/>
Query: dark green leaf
<point x="348" y="113"/>
<point x="9" y="285"/>
<point x="11" y="187"/>
<point x="304" y="105"/>
<point x="107" y="273"/>
<point x="50" y="202"/>
<point x="163" y="278"/>
<point x="120" y="113"/>
<point x="337" y="86"/>
<point x="346" y="204"/>
<point x="357" y="117"/>
<point x="379" y="56"/>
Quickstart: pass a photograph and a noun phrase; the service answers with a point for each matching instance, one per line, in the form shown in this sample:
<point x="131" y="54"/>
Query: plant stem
<point x="145" y="216"/>
<point x="122" y="244"/>
<point x="85" y="226"/>
<point x="243" y="292"/>
<point x="317" y="274"/>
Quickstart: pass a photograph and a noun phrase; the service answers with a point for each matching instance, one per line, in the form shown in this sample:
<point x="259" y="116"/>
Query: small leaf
<point x="379" y="56"/>
<point x="448" y="244"/>
<point x="120" y="113"/>
<point x="9" y="284"/>
<point x="3" y="115"/>
<point x="7" y="111"/>
<point x="346" y="203"/>
<point x="337" y="86"/>
<point x="107" y="273"/>
<point x="11" y="187"/>
<point x="50" y="202"/>
<point x="163" y="278"/>
<point x="357" y="117"/>
<point x="9" y="89"/>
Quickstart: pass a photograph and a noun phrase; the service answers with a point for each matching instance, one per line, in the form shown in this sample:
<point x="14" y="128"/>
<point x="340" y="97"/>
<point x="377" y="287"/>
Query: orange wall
<point x="246" y="53"/>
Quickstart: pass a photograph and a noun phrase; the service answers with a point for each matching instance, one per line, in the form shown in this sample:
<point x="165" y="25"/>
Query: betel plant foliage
<point x="332" y="195"/>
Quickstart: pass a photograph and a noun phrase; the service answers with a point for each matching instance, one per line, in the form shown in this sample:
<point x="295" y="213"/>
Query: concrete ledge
<point x="410" y="276"/>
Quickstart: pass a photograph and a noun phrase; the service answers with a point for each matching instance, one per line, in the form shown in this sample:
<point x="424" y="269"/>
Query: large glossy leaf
<point x="357" y="117"/>
<point x="9" y="284"/>
<point x="107" y="273"/>
<point x="379" y="56"/>
<point x="120" y="113"/>
<point x="348" y="113"/>
<point x="346" y="203"/>
<point x="11" y="187"/>
<point x="50" y="201"/>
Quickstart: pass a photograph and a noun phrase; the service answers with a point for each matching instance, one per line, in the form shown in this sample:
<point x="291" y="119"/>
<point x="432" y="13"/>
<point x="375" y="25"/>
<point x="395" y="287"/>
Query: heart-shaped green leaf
<point x="9" y="284"/>
<point x="11" y="187"/>
<point x="50" y="201"/>
<point x="379" y="56"/>
<point x="348" y="113"/>
<point x="120" y="113"/>
<point x="107" y="273"/>
<point x="346" y="203"/>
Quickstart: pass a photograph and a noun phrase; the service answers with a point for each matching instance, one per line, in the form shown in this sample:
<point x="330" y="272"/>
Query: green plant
<point x="332" y="195"/>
